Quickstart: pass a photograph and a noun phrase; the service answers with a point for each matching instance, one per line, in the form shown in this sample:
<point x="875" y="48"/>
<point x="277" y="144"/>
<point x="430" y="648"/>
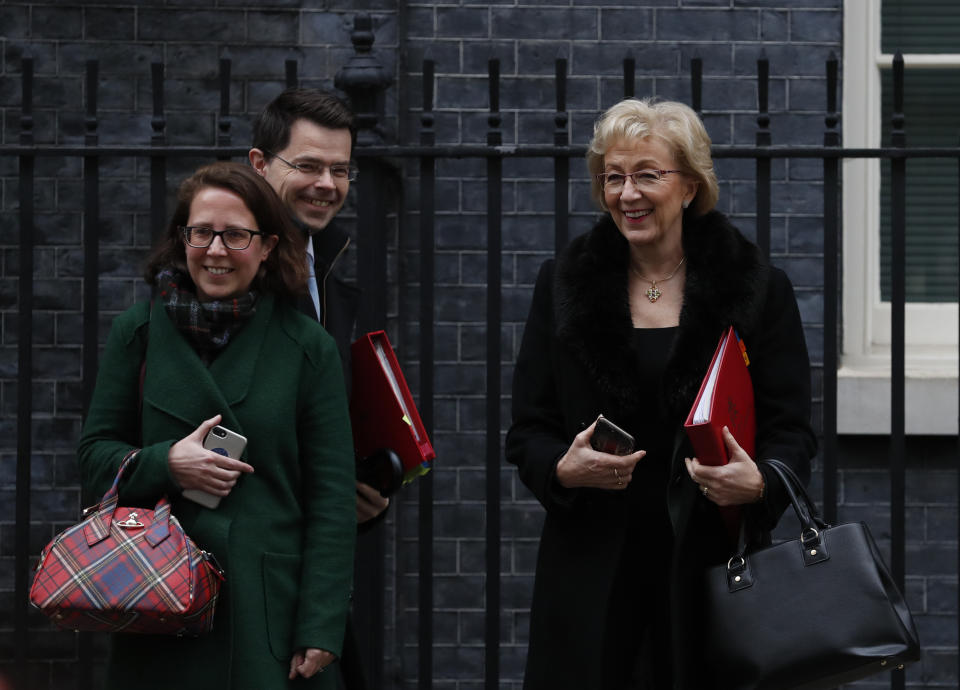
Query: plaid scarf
<point x="208" y="326"/>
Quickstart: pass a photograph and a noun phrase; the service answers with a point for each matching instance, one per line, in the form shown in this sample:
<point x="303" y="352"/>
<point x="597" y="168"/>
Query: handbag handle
<point x="812" y="548"/>
<point x="804" y="507"/>
<point x="98" y="526"/>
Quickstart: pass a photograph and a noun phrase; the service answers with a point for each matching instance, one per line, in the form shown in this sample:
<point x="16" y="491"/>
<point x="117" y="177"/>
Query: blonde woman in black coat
<point x="624" y="323"/>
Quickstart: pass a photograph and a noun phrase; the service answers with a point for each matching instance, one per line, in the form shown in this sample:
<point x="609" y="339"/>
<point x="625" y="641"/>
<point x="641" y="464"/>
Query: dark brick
<point x="608" y="57"/>
<point x="56" y="362"/>
<point x="57" y="22"/>
<point x="808" y="94"/>
<point x="194" y="25"/>
<point x="477" y="56"/>
<point x="941" y="596"/>
<point x="522" y="23"/>
<point x="464" y="22"/>
<point x="811" y="306"/>
<point x="472" y="414"/>
<point x="937" y="631"/>
<point x="633" y="24"/>
<point x="110" y="24"/>
<point x="275" y="27"/>
<point x="535" y="196"/>
<point x="707" y="25"/>
<point x="446" y="57"/>
<point x="796" y="60"/>
<point x="421" y="22"/>
<point x="115" y="57"/>
<point x="817" y="27"/>
<point x="454" y="592"/>
<point x="475" y="197"/>
<point x="15" y="20"/>
<point x="836" y="4"/>
<point x="527" y="232"/>
<point x="540" y="57"/>
<point x="462" y="379"/>
<point x="717" y="59"/>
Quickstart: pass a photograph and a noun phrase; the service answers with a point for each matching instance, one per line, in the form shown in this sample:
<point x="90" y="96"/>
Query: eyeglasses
<point x="338" y="171"/>
<point x="642" y="179"/>
<point x="201" y="237"/>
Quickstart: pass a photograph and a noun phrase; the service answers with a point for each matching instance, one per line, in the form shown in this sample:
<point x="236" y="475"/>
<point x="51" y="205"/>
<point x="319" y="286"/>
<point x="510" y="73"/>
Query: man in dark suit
<point x="302" y="144"/>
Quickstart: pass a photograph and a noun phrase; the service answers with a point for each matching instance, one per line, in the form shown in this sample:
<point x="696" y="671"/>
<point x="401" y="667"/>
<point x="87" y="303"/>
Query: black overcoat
<point x="576" y="360"/>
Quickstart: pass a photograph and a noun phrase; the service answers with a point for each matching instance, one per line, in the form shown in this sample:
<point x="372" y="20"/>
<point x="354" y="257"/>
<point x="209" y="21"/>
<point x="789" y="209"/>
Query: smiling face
<point x="217" y="272"/>
<point x="313" y="199"/>
<point x="655" y="215"/>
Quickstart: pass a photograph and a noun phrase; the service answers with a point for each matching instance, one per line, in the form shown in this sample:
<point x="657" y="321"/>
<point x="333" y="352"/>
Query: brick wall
<point x="527" y="37"/>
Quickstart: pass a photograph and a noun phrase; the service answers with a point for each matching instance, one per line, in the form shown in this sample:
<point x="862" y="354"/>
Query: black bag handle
<point x="803" y="506"/>
<point x="807" y="515"/>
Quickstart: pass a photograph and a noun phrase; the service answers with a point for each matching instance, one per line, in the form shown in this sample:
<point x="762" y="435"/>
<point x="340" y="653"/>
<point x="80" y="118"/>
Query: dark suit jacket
<point x="575" y="361"/>
<point x="339" y="301"/>
<point x="285" y="534"/>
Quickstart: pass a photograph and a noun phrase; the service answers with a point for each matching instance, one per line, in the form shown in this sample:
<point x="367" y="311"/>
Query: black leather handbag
<point x="814" y="612"/>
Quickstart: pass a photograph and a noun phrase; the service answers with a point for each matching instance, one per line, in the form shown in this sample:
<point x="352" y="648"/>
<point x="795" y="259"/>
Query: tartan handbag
<point x="130" y="570"/>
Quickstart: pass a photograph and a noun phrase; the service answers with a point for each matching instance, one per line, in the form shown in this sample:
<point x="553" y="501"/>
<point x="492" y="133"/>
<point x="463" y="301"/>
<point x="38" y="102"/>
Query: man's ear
<point x="258" y="161"/>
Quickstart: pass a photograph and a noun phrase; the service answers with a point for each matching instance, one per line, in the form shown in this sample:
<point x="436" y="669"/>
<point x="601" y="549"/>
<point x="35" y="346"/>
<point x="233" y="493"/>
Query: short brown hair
<point x="284" y="273"/>
<point x="271" y="129"/>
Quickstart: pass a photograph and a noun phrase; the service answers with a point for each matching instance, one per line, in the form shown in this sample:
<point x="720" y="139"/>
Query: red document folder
<point x="725" y="399"/>
<point x="382" y="411"/>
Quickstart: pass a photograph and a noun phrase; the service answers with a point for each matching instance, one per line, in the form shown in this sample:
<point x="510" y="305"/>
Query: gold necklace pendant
<point x="653" y="292"/>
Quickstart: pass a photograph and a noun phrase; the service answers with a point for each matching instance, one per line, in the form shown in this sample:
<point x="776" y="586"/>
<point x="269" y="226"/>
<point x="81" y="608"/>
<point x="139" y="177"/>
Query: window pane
<point x="920" y="26"/>
<point x="932" y="104"/>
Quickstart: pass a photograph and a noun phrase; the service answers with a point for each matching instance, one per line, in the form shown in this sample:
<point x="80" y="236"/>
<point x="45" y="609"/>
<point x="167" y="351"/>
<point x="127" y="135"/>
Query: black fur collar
<point x="725" y="284"/>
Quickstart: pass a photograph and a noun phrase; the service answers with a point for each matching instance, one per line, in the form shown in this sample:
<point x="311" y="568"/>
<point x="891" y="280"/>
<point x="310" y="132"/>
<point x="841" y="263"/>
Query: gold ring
<point x="704" y="489"/>
<point x="617" y="474"/>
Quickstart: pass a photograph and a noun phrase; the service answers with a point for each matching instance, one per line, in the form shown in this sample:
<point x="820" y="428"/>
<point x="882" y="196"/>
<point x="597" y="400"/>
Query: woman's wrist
<point x="763" y="489"/>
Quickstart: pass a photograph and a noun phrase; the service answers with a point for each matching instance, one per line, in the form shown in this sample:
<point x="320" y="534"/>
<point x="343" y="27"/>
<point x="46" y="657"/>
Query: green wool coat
<point x="285" y="534"/>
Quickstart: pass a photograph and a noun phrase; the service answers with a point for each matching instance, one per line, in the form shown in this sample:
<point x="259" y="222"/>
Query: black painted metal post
<point x="224" y="121"/>
<point x="91" y="237"/>
<point x="494" y="257"/>
<point x="763" y="160"/>
<point x="425" y="507"/>
<point x="629" y="76"/>
<point x="696" y="85"/>
<point x="290" y="72"/>
<point x="561" y="163"/>
<point x="831" y="294"/>
<point x="24" y="377"/>
<point x="364" y="81"/>
<point x="91" y="305"/>
<point x="898" y="218"/>
<point x="158" y="161"/>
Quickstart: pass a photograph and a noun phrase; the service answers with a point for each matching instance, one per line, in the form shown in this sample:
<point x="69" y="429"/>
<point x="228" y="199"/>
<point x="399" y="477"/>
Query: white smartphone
<point x="220" y="440"/>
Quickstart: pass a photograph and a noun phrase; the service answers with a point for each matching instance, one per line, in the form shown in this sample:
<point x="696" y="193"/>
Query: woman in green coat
<point x="221" y="342"/>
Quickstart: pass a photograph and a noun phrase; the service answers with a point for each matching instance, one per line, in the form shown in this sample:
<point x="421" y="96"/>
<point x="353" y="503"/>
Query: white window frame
<point x="931" y="329"/>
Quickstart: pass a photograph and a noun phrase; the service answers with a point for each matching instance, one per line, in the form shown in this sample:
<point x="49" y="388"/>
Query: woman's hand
<point x="306" y="662"/>
<point x="195" y="467"/>
<point x="582" y="466"/>
<point x="369" y="503"/>
<point x="736" y="483"/>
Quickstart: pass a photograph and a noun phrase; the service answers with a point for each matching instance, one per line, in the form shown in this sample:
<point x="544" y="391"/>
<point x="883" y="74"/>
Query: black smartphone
<point x="609" y="438"/>
<point x="383" y="470"/>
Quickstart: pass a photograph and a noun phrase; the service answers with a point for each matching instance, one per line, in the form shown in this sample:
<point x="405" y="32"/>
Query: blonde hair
<point x="674" y="123"/>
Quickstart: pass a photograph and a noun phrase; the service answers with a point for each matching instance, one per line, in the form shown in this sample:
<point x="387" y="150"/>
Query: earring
<point x="685" y="204"/>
